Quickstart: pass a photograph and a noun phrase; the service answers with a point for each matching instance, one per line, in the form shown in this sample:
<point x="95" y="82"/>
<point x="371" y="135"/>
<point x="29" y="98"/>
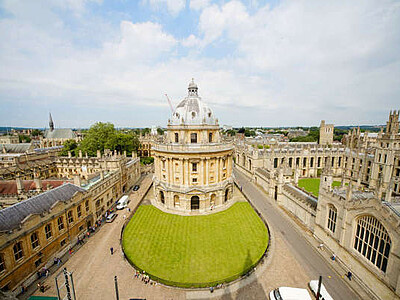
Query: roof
<point x="16" y="148"/>
<point x="12" y="216"/>
<point x="60" y="133"/>
<point x="9" y="187"/>
<point x="192" y="110"/>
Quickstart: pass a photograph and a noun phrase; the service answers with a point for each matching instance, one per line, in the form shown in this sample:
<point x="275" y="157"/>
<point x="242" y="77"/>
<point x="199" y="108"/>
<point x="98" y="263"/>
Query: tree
<point x="160" y="131"/>
<point x="102" y="136"/>
<point x="69" y="145"/>
<point x="24" y="138"/>
<point x="36" y="132"/>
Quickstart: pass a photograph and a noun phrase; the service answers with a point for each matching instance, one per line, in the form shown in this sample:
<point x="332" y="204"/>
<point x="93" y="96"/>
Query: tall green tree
<point x="102" y="136"/>
<point x="69" y="145"/>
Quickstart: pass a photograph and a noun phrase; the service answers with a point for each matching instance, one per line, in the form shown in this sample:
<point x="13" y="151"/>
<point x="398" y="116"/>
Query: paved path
<point x="306" y="254"/>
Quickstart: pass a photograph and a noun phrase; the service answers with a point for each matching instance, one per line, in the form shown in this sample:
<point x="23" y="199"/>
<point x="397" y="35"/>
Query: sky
<point x="257" y="63"/>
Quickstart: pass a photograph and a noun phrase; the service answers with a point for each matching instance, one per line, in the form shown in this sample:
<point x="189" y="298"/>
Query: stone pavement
<point x="94" y="269"/>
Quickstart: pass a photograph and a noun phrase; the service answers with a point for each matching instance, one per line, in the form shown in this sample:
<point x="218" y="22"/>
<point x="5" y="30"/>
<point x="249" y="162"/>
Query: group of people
<point x="43" y="273"/>
<point x="57" y="261"/>
<point x="145" y="278"/>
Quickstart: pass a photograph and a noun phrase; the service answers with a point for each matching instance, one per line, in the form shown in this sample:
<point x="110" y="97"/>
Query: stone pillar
<point x="38" y="184"/>
<point x="20" y="185"/>
<point x="186" y="171"/>
<point x="207" y="161"/>
<point x="98" y="154"/>
<point x="101" y="174"/>
<point x="80" y="153"/>
<point x="202" y="182"/>
<point x="77" y="180"/>
<point x="69" y="154"/>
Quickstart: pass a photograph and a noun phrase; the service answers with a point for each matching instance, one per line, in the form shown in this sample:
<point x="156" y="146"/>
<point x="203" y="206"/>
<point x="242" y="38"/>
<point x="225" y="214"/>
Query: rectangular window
<point x="312" y="162"/>
<point x="319" y="162"/>
<point x="63" y="242"/>
<point x="78" y="211"/>
<point x="194" y="180"/>
<point x="297" y="161"/>
<point x="275" y="163"/>
<point x="87" y="205"/>
<point x="2" y="263"/>
<point x="304" y="162"/>
<point x="193" y="138"/>
<point x="38" y="262"/>
<point x="194" y="167"/>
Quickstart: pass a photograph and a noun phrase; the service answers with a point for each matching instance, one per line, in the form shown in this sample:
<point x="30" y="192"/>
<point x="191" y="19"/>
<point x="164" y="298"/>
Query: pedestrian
<point x="349" y="275"/>
<point x="47" y="273"/>
<point x="55" y="260"/>
<point x="321" y="246"/>
<point x="112" y="250"/>
<point x="333" y="257"/>
<point x="124" y="217"/>
<point x="59" y="261"/>
<point x="211" y="289"/>
<point x="22" y="289"/>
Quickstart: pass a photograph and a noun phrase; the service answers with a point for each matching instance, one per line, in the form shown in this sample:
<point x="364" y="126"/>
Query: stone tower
<point x="325" y="133"/>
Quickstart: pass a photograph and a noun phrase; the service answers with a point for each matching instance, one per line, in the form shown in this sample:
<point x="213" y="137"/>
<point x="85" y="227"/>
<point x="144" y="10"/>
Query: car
<point x="111" y="217"/>
<point x="289" y="293"/>
<point x="136" y="187"/>
<point x="324" y="295"/>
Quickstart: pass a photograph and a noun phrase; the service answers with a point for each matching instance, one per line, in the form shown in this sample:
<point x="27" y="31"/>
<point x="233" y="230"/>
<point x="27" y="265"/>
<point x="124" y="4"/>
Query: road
<point x="303" y="251"/>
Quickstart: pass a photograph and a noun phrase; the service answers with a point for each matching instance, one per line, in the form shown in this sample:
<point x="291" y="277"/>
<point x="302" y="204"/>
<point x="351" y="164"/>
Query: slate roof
<point x="60" y="133"/>
<point x="12" y="216"/>
<point x="16" y="148"/>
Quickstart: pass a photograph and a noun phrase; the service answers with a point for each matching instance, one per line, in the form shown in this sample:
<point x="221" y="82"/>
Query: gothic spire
<point x="51" y="123"/>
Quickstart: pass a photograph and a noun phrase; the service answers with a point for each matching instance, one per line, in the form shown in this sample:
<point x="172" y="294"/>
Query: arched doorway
<point x="176" y="201"/>
<point x="226" y="195"/>
<point x="194" y="203"/>
<point x="162" y="198"/>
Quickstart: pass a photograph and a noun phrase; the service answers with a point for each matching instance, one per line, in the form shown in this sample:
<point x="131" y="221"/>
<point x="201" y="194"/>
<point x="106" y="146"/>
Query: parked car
<point x="136" y="187"/>
<point x="111" y="217"/>
<point x="324" y="295"/>
<point x="289" y="293"/>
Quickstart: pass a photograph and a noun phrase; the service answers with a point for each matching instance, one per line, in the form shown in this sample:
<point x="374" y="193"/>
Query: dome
<point x="192" y="110"/>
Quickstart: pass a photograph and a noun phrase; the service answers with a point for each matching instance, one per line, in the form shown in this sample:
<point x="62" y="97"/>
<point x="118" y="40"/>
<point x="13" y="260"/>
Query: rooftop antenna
<point x="170" y="104"/>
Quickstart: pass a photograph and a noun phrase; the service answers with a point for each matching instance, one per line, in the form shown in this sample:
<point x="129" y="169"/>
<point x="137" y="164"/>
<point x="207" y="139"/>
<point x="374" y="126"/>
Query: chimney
<point x="38" y="184"/>
<point x="349" y="192"/>
<point x="98" y="154"/>
<point x="69" y="154"/>
<point x="20" y="185"/>
<point x="77" y="180"/>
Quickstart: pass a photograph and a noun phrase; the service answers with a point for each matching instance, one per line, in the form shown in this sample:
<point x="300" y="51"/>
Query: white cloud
<point x="199" y="4"/>
<point x="291" y="64"/>
<point x="174" y="6"/>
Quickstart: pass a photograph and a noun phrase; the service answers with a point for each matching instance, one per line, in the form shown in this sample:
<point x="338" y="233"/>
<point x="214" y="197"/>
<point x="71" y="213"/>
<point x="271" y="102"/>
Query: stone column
<point x="186" y="171"/>
<point x="207" y="162"/>
<point x="202" y="171"/>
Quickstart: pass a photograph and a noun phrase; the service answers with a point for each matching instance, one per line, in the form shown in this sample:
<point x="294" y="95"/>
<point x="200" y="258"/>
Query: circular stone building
<point x="193" y="166"/>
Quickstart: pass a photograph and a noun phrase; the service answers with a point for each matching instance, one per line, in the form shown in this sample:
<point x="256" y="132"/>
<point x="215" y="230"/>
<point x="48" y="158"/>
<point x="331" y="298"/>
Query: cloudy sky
<point x="257" y="63"/>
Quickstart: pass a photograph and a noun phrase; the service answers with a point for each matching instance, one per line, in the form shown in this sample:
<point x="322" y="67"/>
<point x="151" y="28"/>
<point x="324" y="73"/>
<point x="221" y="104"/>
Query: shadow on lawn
<point x="253" y="290"/>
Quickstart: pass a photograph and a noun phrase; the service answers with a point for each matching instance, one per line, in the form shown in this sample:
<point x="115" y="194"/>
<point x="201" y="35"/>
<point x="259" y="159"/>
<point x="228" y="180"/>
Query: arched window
<point x="332" y="214"/>
<point x="176" y="201"/>
<point x="70" y="217"/>
<point x="176" y="137"/>
<point x="210" y="137"/>
<point x="162" y="198"/>
<point x="47" y="230"/>
<point x="212" y="200"/>
<point x="60" y="223"/>
<point x="372" y="241"/>
<point x="34" y="240"/>
<point x="226" y="195"/>
<point x="193" y="138"/>
<point x="18" y="253"/>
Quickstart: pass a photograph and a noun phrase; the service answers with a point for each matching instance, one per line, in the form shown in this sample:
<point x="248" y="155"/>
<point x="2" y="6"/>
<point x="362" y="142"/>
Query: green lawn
<point x="312" y="185"/>
<point x="195" y="250"/>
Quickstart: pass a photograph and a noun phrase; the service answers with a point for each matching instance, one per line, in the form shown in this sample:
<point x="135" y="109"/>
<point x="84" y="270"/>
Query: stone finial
<point x="98" y="154"/>
<point x="20" y="185"/>
<point x="38" y="184"/>
<point x="80" y="154"/>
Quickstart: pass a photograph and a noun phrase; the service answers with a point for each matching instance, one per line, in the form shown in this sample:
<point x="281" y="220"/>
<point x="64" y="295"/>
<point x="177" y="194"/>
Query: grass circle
<point x="195" y="251"/>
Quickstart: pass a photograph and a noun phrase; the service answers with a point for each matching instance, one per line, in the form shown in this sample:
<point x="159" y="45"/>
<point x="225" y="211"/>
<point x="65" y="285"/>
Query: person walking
<point x="112" y="250"/>
<point x="349" y="275"/>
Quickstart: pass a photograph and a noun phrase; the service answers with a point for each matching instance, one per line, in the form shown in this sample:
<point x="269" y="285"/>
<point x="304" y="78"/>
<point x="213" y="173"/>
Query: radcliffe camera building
<point x="193" y="166"/>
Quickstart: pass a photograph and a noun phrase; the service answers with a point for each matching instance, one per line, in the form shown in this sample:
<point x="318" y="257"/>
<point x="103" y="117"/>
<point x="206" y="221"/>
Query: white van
<point x="289" y="293"/>
<point x="123" y="202"/>
<point x="324" y="295"/>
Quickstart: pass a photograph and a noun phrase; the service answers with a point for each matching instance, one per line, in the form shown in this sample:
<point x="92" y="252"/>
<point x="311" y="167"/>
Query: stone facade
<point x="326" y="133"/>
<point x="9" y="139"/>
<point x="359" y="221"/>
<point x="193" y="165"/>
<point x="26" y="245"/>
